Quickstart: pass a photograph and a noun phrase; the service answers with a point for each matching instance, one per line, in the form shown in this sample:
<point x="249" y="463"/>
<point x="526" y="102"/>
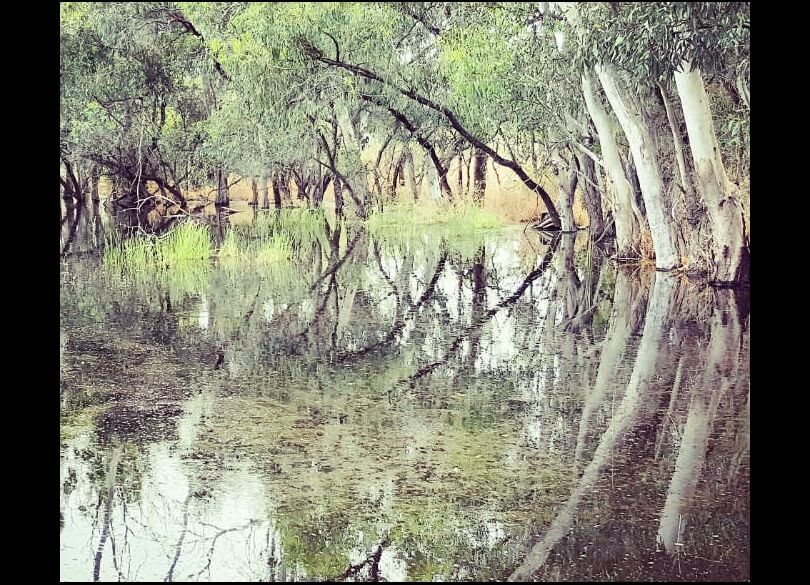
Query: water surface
<point x="403" y="407"/>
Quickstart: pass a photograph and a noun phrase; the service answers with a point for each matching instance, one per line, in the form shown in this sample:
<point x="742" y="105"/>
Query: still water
<point x="403" y="407"/>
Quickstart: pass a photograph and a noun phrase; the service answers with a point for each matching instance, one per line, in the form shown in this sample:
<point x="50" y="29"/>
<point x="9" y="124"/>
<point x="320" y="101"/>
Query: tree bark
<point x="730" y="250"/>
<point x="677" y="140"/>
<point x="593" y="199"/>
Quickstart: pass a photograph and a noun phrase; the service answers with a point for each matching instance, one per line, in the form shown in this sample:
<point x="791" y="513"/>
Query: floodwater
<point x="404" y="407"/>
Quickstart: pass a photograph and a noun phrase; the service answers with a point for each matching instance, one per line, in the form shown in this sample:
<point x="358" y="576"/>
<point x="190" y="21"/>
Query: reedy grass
<point x="188" y="242"/>
<point x="462" y="218"/>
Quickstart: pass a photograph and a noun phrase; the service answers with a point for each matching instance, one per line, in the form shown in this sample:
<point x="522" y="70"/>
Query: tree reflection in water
<point x="397" y="407"/>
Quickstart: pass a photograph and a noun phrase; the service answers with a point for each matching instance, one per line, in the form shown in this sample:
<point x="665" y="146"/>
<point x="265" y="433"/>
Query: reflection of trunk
<point x="725" y="212"/>
<point x="627" y="224"/>
<point x="109" y="484"/>
<point x="221" y="220"/>
<point x="478" y="273"/>
<point x="74" y="217"/>
<point x="718" y="371"/>
<point x="456" y="344"/>
<point x="640" y="397"/>
<point x="687" y="472"/>
<point x="179" y="544"/>
<point x="628" y="109"/>
<point x="628" y="307"/>
<point x="479" y="176"/>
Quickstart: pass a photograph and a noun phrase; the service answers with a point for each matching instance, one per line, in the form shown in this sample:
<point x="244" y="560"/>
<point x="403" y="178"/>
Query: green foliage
<point x="653" y="39"/>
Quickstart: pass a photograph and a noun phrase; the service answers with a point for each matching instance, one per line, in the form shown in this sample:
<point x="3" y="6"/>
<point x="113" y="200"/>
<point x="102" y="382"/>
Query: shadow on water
<point x="404" y="406"/>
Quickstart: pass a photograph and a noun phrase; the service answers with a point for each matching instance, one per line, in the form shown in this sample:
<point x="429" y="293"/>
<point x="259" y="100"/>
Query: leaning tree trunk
<point x="593" y="200"/>
<point x="628" y="110"/>
<point x="677" y="141"/>
<point x="725" y="212"/>
<point x="628" y="231"/>
<point x="479" y="176"/>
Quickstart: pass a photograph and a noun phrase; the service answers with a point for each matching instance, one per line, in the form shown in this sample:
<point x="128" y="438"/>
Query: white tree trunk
<point x="725" y="211"/>
<point x="644" y="151"/>
<point x="627" y="227"/>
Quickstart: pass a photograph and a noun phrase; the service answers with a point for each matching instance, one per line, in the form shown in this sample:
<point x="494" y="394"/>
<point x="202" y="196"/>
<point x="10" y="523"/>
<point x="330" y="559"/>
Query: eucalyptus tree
<point x="636" y="49"/>
<point x="132" y="97"/>
<point x="410" y="74"/>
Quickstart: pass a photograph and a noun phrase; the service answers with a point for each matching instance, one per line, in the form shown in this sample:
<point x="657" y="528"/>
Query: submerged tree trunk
<point x="725" y="212"/>
<point x="645" y="155"/>
<point x="628" y="231"/>
<point x="479" y="176"/>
